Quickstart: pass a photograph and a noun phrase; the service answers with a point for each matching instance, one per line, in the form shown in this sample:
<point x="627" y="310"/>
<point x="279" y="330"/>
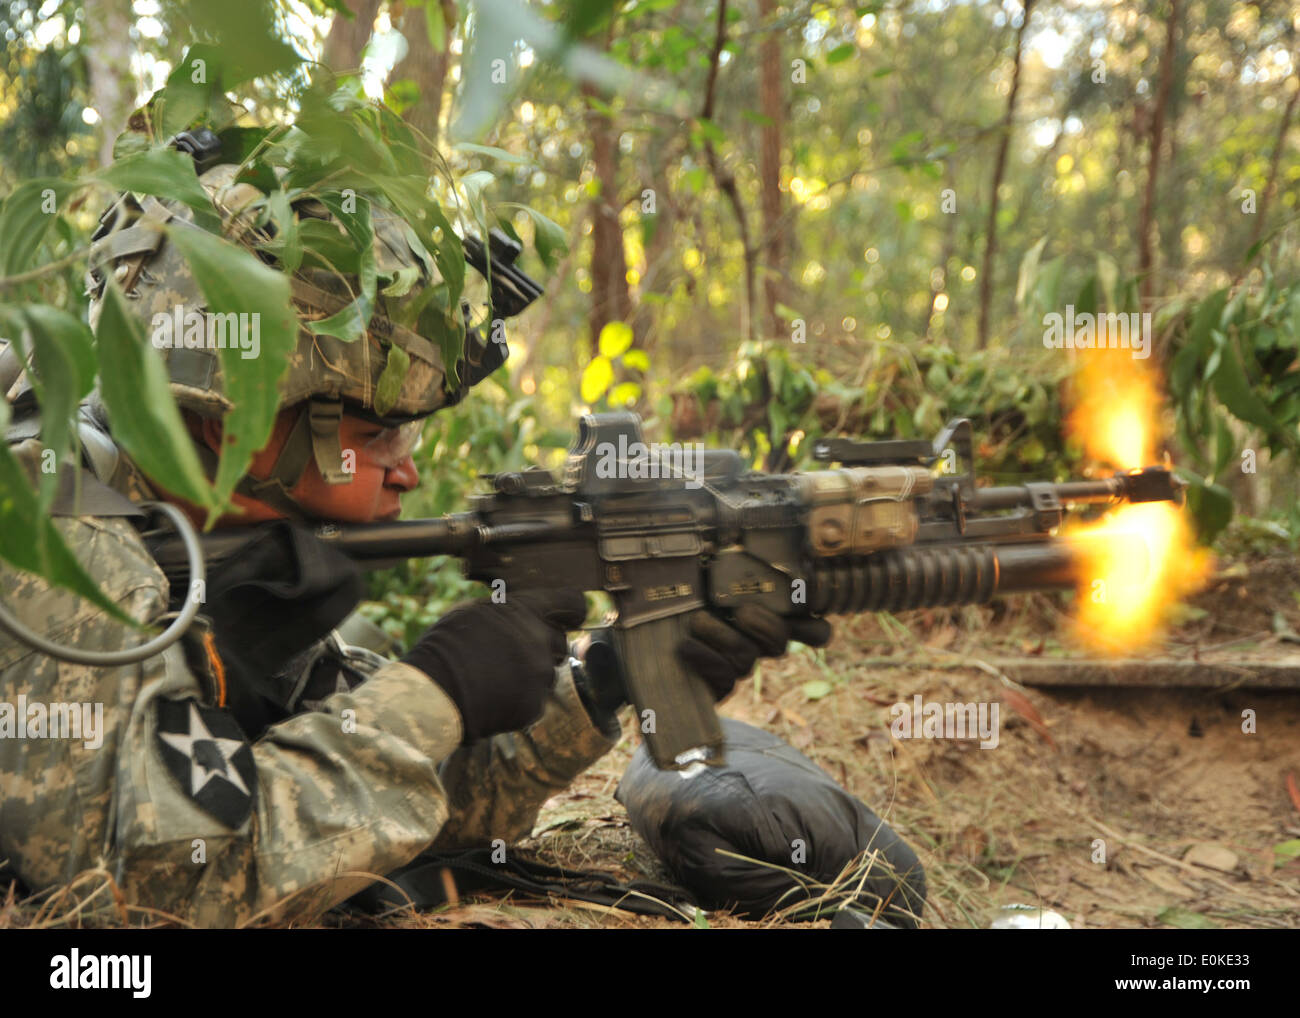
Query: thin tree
<point x="772" y="104"/>
<point x="999" y="168"/>
<point x="347" y="37"/>
<point x="1147" y="218"/>
<point x="723" y="177"/>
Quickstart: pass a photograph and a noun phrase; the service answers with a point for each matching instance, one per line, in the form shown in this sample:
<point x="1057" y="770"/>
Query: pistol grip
<point x="674" y="707"/>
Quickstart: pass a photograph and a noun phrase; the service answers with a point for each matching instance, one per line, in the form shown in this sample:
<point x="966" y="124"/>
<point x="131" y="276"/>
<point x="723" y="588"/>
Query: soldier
<point x="261" y="768"/>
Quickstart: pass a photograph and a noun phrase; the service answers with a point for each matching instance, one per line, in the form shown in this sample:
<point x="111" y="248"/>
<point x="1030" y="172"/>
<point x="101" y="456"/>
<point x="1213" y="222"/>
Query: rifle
<point x="666" y="532"/>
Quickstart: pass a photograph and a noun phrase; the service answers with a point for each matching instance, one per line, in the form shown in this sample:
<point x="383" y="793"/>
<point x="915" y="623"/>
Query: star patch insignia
<point x="207" y="754"/>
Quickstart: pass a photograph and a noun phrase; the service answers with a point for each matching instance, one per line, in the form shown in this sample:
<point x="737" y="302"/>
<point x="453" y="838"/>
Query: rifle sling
<point x="474" y="872"/>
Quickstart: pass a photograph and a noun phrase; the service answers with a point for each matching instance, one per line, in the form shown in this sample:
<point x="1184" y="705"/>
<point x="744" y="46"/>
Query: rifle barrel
<point x="452" y="534"/>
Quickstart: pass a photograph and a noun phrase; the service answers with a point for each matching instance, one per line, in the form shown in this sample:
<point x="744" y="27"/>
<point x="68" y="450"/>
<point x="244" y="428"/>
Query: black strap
<point x="474" y="872"/>
<point x="283" y="591"/>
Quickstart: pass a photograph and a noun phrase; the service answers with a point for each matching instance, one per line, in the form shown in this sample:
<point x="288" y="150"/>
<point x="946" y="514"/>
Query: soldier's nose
<point x="404" y="476"/>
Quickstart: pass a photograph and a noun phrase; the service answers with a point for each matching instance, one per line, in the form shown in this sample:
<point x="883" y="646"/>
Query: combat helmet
<point x="325" y="373"/>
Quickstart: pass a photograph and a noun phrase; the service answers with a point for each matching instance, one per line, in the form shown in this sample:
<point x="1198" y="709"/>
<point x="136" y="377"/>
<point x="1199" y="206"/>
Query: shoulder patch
<point x="206" y="752"/>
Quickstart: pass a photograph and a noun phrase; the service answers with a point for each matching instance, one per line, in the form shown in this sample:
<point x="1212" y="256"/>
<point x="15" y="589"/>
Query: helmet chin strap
<point x="315" y="435"/>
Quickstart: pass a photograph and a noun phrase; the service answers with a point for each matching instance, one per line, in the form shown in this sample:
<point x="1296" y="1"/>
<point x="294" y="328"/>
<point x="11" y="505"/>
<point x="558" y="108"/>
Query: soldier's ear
<point x="210" y="433"/>
<point x="204" y="430"/>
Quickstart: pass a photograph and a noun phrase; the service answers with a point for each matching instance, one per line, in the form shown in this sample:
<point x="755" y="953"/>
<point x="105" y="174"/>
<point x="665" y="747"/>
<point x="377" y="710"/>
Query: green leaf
<point x="435" y="25"/>
<point x="1285" y="851"/>
<point x="29" y="539"/>
<point x="349" y="324"/>
<point x="615" y="338"/>
<point x="815" y="689"/>
<point x="473" y="185"/>
<point x="1212" y="363"/>
<point x="841" y="53"/>
<point x="1086" y="302"/>
<point x="326" y="246"/>
<point x="1210" y="506"/>
<point x="494" y="153"/>
<point x="1047" y="290"/>
<point x="73" y="336"/>
<point x="624" y="394"/>
<point x="596" y="379"/>
<point x="1238" y="395"/>
<point x="1206" y="320"/>
<point x="403" y="279"/>
<point x="146" y="421"/>
<point x="1108" y="276"/>
<point x="1186" y="364"/>
<point x="165" y="173"/>
<point x="389" y="386"/>
<point x="65" y="372"/>
<point x="707" y="130"/>
<point x="182" y="102"/>
<point x="246" y="45"/>
<point x="474" y="182"/>
<point x="24" y="220"/>
<point x="1029" y="271"/>
<point x="235" y="282"/>
<point x="1224" y="446"/>
<point x="289" y="246"/>
<point x="548" y="237"/>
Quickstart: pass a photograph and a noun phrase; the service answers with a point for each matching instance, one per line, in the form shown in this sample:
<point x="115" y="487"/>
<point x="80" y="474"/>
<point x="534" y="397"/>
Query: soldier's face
<point x="379" y="479"/>
<point x="377" y="485"/>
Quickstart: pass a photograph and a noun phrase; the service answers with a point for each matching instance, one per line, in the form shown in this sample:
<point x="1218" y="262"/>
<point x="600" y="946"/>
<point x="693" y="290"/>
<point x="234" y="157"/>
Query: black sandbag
<point x="767" y="798"/>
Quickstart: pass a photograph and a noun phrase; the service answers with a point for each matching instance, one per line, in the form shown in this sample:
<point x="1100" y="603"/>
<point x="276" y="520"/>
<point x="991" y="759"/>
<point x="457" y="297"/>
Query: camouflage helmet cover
<point x="132" y="242"/>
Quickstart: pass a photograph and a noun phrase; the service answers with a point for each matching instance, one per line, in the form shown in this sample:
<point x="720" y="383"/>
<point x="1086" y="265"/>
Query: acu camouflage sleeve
<point x="496" y="786"/>
<point x="350" y="789"/>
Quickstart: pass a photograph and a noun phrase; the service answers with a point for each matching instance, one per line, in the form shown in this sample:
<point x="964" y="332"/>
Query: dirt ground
<point x="1115" y="807"/>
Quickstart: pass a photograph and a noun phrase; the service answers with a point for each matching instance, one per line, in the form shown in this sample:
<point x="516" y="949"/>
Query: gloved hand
<point x="722" y="653"/>
<point x="497" y="661"/>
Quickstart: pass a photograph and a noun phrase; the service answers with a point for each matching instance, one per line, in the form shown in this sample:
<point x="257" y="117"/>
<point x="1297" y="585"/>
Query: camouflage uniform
<point x="332" y="808"/>
<point x="361" y="778"/>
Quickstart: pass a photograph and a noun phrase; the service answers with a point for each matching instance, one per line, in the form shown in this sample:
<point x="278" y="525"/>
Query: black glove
<point x="497" y="661"/>
<point x="721" y="653"/>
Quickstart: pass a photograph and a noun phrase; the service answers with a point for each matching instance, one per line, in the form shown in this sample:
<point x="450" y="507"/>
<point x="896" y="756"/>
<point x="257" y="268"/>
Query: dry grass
<point x="1147" y="773"/>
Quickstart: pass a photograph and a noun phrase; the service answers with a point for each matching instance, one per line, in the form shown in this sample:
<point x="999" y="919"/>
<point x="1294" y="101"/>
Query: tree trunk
<point x="999" y="167"/>
<point x="724" y="178"/>
<point x="108" y="67"/>
<point x="610" y="299"/>
<point x="772" y="102"/>
<point x="427" y="67"/>
<point x="348" y="36"/>
<point x="1172" y="211"/>
<point x="1270" y="186"/>
<point x="1147" y="219"/>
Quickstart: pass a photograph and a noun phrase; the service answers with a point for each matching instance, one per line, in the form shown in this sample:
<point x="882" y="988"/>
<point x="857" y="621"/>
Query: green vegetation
<point x="757" y="222"/>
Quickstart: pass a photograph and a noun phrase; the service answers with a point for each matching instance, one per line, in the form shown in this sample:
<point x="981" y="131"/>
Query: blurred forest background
<point x="777" y="220"/>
